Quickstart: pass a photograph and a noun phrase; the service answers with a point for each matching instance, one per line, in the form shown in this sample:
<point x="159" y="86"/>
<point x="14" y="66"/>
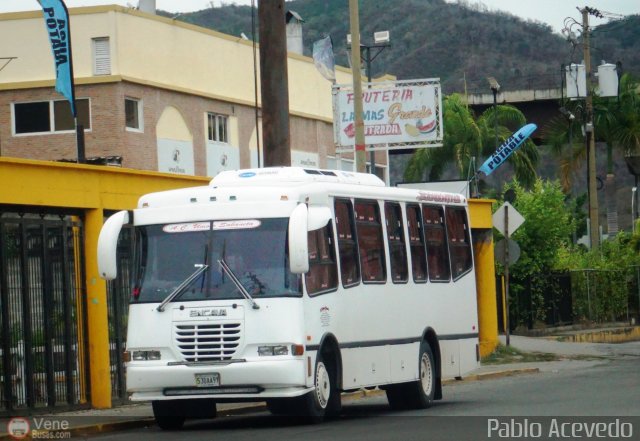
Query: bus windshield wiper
<point x="180" y="289"/>
<point x="237" y="283"/>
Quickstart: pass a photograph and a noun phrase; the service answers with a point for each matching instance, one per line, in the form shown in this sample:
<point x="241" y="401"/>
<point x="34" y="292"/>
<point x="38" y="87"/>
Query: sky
<point x="551" y="12"/>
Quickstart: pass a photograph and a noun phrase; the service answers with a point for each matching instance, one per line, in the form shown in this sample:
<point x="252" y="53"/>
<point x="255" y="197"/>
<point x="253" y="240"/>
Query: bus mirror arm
<point x="108" y="245"/>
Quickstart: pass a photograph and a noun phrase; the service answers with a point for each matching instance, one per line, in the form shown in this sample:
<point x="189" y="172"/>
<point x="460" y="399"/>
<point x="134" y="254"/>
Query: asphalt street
<point x="579" y="391"/>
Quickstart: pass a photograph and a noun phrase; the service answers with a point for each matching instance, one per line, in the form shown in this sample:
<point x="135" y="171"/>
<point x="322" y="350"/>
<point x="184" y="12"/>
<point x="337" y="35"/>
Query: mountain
<point x="452" y="41"/>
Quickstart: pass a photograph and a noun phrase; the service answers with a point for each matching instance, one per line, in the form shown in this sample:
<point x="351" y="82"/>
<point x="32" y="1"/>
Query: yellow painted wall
<point x="54" y="184"/>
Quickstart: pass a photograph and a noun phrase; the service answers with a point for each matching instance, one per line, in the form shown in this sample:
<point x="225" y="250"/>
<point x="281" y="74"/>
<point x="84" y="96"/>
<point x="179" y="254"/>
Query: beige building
<point x="154" y="94"/>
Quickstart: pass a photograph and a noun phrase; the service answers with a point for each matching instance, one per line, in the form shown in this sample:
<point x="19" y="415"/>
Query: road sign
<point x="514" y="251"/>
<point x="515" y="219"/>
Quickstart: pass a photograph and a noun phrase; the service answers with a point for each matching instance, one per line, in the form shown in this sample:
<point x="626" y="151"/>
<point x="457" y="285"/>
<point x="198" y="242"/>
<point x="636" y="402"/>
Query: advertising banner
<point x="401" y="112"/>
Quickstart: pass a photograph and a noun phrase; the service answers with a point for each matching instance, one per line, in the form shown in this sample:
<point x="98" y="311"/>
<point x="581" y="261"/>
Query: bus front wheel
<point x="169" y="414"/>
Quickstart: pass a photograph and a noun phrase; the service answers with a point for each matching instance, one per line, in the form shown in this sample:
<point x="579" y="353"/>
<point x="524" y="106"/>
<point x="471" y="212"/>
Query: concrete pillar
<point x="482" y="233"/>
<point x="486" y="291"/>
<point x="97" y="315"/>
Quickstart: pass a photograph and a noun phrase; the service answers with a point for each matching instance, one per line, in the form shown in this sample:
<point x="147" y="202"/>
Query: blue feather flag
<point x="505" y="150"/>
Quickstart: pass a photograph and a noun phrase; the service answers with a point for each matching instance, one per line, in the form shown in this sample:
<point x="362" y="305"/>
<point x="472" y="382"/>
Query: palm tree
<point x="466" y="138"/>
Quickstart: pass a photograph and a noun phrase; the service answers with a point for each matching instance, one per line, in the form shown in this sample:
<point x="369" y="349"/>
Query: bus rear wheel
<point x="417" y="394"/>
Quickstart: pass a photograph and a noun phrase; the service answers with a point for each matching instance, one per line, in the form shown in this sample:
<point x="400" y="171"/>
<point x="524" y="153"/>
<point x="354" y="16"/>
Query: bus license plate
<point x="207" y="380"/>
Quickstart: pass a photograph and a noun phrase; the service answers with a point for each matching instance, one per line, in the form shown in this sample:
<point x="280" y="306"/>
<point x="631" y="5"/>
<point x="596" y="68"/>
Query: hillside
<point x="452" y="41"/>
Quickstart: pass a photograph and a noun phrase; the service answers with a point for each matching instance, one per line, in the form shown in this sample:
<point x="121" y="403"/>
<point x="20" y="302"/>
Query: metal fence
<point x="573" y="297"/>
<point x="42" y="320"/>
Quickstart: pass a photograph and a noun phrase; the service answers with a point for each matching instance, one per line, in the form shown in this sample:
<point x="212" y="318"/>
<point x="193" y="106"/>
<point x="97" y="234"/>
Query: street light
<point x="381" y="40"/>
<point x="495" y="88"/>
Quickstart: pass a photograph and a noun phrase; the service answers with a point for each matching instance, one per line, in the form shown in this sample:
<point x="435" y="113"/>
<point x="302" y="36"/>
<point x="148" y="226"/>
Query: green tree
<point x="466" y="137"/>
<point x="548" y="228"/>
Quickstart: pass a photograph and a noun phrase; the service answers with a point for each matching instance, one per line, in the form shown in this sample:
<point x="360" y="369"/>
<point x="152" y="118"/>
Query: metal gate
<point x="118" y="293"/>
<point x="42" y="321"/>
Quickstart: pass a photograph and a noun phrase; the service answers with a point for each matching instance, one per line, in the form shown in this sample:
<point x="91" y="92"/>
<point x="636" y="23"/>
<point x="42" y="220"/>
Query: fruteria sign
<point x="401" y="112"/>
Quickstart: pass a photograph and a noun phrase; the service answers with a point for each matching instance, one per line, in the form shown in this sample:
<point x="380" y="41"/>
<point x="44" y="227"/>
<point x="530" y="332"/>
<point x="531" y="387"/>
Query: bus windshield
<point x="255" y="250"/>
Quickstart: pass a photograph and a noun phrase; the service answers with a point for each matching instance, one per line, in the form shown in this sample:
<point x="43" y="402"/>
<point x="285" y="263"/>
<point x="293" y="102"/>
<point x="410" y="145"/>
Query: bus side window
<point x="435" y="237"/>
<point x="395" y="241"/>
<point x="347" y="246"/>
<point x="459" y="243"/>
<point x="323" y="271"/>
<point x="416" y="243"/>
<point x="370" y="245"/>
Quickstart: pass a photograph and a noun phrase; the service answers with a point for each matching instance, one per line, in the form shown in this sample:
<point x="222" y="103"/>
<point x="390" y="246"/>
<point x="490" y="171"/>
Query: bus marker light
<point x="308" y="366"/>
<point x="284" y="197"/>
<point x="297" y="350"/>
<point x="126" y="356"/>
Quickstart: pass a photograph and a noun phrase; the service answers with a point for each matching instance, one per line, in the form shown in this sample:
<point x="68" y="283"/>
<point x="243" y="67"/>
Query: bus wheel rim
<point x="323" y="385"/>
<point x="426" y="379"/>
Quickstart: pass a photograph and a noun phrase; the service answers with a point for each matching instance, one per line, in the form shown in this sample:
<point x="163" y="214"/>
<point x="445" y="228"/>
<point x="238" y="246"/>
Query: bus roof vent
<point x="288" y="175"/>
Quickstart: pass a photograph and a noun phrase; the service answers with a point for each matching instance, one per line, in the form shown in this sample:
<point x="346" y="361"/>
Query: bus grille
<point x="210" y="342"/>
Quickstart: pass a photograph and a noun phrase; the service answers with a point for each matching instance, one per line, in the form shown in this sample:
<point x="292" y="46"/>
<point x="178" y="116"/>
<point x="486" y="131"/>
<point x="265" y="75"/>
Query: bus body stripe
<point x="395" y="341"/>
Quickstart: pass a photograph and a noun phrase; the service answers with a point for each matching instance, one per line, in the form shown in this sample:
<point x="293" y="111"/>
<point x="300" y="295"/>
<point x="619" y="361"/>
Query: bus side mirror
<point x="108" y="245"/>
<point x="298" y="246"/>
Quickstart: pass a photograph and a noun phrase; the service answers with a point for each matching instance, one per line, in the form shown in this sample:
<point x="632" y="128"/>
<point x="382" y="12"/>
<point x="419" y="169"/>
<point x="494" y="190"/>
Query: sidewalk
<point x="93" y="421"/>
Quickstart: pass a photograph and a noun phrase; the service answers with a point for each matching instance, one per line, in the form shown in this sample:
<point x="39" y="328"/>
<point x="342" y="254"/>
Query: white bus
<point x="290" y="285"/>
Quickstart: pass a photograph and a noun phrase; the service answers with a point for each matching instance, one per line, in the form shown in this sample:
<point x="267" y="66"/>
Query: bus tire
<point x="169" y="414"/>
<point x="281" y="406"/>
<point x="422" y="392"/>
<point x="397" y="396"/>
<point x="315" y="403"/>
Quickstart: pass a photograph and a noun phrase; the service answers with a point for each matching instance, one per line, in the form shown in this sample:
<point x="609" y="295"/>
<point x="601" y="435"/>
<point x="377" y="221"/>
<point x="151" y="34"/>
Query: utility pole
<point x="360" y="154"/>
<point x="274" y="81"/>
<point x="591" y="137"/>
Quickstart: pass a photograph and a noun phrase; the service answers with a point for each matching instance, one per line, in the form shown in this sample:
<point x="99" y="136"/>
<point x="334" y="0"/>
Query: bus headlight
<point x="273" y="350"/>
<point x="145" y="355"/>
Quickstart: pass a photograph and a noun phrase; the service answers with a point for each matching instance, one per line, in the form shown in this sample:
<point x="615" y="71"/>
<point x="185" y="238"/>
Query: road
<point x="602" y="388"/>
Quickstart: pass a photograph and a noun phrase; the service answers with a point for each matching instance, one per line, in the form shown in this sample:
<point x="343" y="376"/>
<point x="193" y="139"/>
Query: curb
<point x="497" y="374"/>
<point x="101" y="428"/>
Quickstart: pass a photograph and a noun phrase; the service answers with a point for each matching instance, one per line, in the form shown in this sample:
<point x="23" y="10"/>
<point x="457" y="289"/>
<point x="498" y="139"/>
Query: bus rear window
<point x="459" y="243"/>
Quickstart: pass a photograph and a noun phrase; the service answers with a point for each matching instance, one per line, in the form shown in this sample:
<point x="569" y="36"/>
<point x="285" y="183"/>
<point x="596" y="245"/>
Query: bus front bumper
<point x="257" y="380"/>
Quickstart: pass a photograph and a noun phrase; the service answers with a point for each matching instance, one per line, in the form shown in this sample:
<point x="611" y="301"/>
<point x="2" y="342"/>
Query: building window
<point x="435" y="237"/>
<point x="217" y="127"/>
<point x="101" y="56"/>
<point x="395" y="240"/>
<point x="323" y="270"/>
<point x="370" y="244"/>
<point x="347" y="245"/>
<point x="133" y="114"/>
<point x="49" y="116"/>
